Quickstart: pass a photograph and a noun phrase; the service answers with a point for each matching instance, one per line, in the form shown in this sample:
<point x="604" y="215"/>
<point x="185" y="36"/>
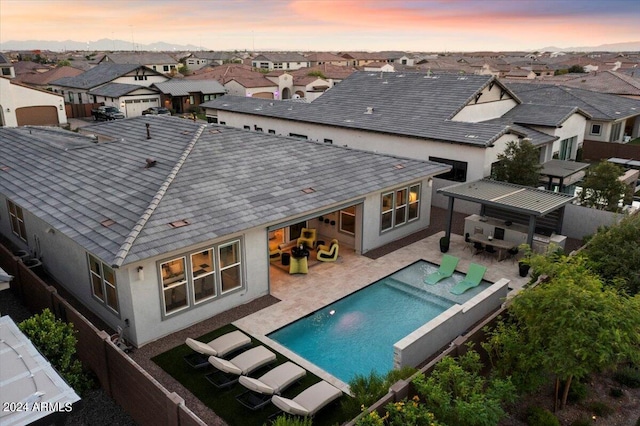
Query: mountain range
<point x="106" y="44"/>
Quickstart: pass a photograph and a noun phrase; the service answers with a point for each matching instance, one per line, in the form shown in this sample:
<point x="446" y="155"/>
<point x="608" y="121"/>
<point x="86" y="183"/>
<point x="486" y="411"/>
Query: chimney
<point x="148" y="132"/>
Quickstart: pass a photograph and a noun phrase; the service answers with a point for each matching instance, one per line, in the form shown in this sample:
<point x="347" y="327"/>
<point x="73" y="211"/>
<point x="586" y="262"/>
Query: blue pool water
<point x="356" y="334"/>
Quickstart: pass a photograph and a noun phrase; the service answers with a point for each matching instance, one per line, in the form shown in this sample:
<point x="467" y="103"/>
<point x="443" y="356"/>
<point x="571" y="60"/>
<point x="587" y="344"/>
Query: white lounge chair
<point x="220" y="346"/>
<point x="309" y="401"/>
<point x="271" y="383"/>
<point x="242" y="364"/>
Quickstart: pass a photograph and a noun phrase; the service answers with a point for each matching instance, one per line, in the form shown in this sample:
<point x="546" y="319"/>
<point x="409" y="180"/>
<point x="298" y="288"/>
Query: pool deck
<point x="302" y="294"/>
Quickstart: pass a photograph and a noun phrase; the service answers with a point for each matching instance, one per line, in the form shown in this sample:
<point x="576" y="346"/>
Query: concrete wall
<point x="431" y="337"/>
<point x="580" y="221"/>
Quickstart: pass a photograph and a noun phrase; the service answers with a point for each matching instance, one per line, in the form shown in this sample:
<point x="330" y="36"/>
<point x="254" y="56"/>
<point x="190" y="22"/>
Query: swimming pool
<point x="356" y="334"/>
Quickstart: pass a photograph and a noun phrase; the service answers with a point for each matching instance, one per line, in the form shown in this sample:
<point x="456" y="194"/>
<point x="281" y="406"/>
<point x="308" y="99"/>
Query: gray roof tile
<point x="232" y="180"/>
<point x="98" y="75"/>
<point x="186" y="87"/>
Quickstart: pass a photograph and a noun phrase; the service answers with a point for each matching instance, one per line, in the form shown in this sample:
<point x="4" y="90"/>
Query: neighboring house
<point x="612" y="117"/>
<point x="22" y="105"/>
<point x="322" y="58"/>
<point x="360" y="59"/>
<point x="611" y="82"/>
<point x="42" y="80"/>
<point x="444" y="118"/>
<point x="6" y="67"/>
<point x="184" y="95"/>
<point x="280" y="61"/>
<point x="520" y="74"/>
<point x="199" y="60"/>
<point x="158" y="223"/>
<point x="379" y="66"/>
<point x="76" y="89"/>
<point x="131" y="99"/>
<point x="239" y="80"/>
<point x="161" y="62"/>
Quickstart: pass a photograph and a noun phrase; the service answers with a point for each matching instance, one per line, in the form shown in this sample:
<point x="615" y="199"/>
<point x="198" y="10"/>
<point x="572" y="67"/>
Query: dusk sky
<point x="455" y="25"/>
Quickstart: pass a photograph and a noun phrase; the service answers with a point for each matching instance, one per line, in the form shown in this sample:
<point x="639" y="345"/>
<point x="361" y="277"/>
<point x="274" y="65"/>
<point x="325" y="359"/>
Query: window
<point x="399" y="207"/>
<point x="615" y="132"/>
<point x="213" y="120"/>
<point x="295" y="135"/>
<point x="257" y="129"/>
<point x="194" y="278"/>
<point x="17" y="221"/>
<point x="70" y="97"/>
<point x="224" y="123"/>
<point x="329" y="141"/>
<point x="103" y="283"/>
<point x="566" y="146"/>
<point x="247" y="127"/>
<point x="165" y="68"/>
<point x="191" y="100"/>
<point x="457" y="174"/>
<point x="348" y="220"/>
<point x="272" y="132"/>
<point x="596" y="129"/>
<point x="6" y="71"/>
<point x="154" y="67"/>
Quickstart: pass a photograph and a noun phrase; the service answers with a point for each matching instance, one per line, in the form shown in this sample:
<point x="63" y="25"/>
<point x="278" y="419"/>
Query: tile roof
<point x="140" y="58"/>
<point x="611" y="82"/>
<point x="115" y="90"/>
<point x="45" y="78"/>
<point x="542" y="115"/>
<point x="281" y="57"/>
<point x="221" y="180"/>
<point x="177" y="87"/>
<point x="409" y="104"/>
<point x="324" y="56"/>
<point x="601" y="106"/>
<point x="100" y="74"/>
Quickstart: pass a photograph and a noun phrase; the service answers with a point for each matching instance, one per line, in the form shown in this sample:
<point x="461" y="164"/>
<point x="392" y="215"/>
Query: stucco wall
<point x="582" y="221"/>
<point x="15" y="96"/>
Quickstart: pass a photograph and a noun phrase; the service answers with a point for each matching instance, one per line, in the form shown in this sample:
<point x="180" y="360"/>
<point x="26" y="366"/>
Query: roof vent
<point x="179" y="223"/>
<point x="369" y="110"/>
<point x="4" y="168"/>
<point x="399" y="166"/>
<point x="107" y="222"/>
<point x="150" y="163"/>
<point x="308" y="190"/>
<point x="148" y="132"/>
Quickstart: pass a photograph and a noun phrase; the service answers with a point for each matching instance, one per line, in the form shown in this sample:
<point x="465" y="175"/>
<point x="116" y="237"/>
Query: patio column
<point x="532" y="230"/>
<point x="449" y="219"/>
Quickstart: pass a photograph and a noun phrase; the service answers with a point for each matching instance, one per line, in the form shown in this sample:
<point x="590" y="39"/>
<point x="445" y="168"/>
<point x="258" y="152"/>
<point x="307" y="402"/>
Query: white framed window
<point x="103" y="283"/>
<point x="230" y="266"/>
<point x="174" y="284"/>
<point x="16" y="217"/>
<point x="615" y="132"/>
<point x="596" y="129"/>
<point x="348" y="220"/>
<point x="566" y="147"/>
<point x="203" y="275"/>
<point x="399" y="207"/>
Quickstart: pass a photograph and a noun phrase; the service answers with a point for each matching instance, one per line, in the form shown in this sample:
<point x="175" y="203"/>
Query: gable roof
<point x="186" y="87"/>
<point x="542" y="115"/>
<point x="409" y="104"/>
<point x="611" y="82"/>
<point x="220" y="179"/>
<point x="601" y="106"/>
<point x="281" y="57"/>
<point x="100" y="74"/>
<point x="139" y="58"/>
<point x="115" y="90"/>
<point x="44" y="78"/>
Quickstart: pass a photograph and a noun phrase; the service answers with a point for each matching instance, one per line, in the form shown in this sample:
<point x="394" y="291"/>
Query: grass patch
<point x="635" y="141"/>
<point x="223" y="402"/>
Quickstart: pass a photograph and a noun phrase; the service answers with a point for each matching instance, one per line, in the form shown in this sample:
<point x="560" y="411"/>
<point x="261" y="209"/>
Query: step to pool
<point x="419" y="293"/>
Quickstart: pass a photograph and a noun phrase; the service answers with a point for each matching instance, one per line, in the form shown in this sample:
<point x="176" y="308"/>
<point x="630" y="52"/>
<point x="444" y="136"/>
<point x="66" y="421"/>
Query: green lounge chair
<point x="473" y="278"/>
<point x="446" y="269"/>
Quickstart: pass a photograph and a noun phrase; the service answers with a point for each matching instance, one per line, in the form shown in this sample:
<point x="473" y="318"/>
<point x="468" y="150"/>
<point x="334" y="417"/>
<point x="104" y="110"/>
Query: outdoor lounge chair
<point x="328" y="253"/>
<point x="471" y="280"/>
<point x="307" y="238"/>
<point x="309" y="401"/>
<point x="228" y="371"/>
<point x="271" y="383"/>
<point x="220" y="346"/>
<point x="446" y="269"/>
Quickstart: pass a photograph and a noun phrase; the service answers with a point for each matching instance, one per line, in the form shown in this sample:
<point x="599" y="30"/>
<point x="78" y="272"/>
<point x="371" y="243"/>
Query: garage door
<point x="37" y="116"/>
<point x="134" y="107"/>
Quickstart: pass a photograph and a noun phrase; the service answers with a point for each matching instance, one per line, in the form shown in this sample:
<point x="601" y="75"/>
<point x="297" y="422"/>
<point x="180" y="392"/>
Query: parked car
<point x="106" y="113"/>
<point x="156" y="111"/>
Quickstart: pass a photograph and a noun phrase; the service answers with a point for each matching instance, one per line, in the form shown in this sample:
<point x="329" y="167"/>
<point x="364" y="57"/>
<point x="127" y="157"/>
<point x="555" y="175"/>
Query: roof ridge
<point x="568" y="92"/>
<point x="155" y="201"/>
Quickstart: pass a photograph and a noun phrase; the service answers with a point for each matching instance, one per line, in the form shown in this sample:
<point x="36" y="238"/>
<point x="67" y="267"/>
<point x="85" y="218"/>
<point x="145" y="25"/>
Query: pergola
<point x="562" y="173"/>
<point x="523" y="200"/>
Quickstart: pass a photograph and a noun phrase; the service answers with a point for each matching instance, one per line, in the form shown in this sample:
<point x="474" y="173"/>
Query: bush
<point x="403" y="413"/>
<point x="628" y="376"/>
<point x="577" y="392"/>
<point x="537" y="416"/>
<point x="285" y="420"/>
<point x="601" y="409"/>
<point x="56" y="341"/>
<point x="582" y="421"/>
<point x="368" y="389"/>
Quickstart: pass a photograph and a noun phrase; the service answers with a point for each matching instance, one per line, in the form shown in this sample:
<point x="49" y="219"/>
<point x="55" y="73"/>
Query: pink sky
<point x="327" y="24"/>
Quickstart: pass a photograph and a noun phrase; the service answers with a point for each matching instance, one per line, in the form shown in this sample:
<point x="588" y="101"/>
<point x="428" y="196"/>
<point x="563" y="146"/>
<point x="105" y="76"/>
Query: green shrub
<point x="56" y="341"/>
<point x="368" y="389"/>
<point x="404" y="413"/>
<point x="577" y="392"/>
<point x="285" y="420"/>
<point x="537" y="416"/>
<point x="601" y="409"/>
<point x="628" y="376"/>
<point x="370" y="419"/>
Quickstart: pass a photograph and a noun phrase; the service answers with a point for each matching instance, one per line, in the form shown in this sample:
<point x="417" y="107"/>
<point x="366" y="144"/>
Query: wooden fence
<point x="595" y="151"/>
<point x="139" y="394"/>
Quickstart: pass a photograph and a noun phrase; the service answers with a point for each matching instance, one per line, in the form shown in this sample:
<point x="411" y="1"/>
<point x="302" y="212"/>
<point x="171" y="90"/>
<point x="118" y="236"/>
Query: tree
<point x="614" y="254"/>
<point x="184" y="69"/>
<point x="576" y="69"/>
<point x="518" y="164"/>
<point x="570" y="324"/>
<point x="63" y="63"/>
<point x="601" y="188"/>
<point x="317" y="73"/>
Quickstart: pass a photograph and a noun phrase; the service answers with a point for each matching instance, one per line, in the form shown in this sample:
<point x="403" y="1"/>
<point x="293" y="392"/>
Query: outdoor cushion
<point x="244" y="363"/>
<point x="222" y="345"/>
<point x="309" y="401"/>
<point x="276" y="380"/>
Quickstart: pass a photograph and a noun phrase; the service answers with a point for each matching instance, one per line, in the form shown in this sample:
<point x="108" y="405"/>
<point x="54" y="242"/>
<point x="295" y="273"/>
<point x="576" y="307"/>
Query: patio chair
<point x="468" y="244"/>
<point x="307" y="237"/>
<point x="446" y="269"/>
<point x="271" y="383"/>
<point x="309" y="401"/>
<point x="471" y="280"/>
<point x="220" y="346"/>
<point x="328" y="253"/>
<point x="228" y="371"/>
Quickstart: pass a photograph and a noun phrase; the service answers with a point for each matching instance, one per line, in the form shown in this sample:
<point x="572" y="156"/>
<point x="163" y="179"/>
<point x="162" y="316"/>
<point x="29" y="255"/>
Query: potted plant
<point x="523" y="262"/>
<point x="444" y="244"/>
